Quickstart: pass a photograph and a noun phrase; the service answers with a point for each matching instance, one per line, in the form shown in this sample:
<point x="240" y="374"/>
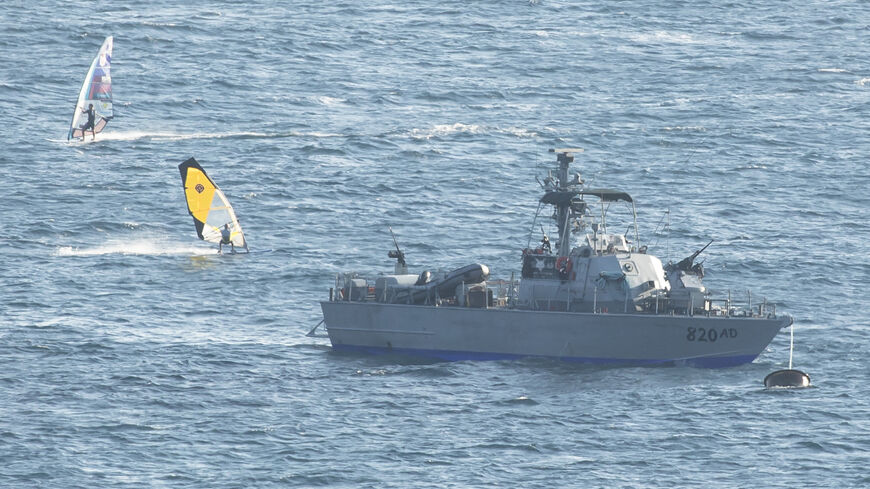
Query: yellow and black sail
<point x="208" y="206"/>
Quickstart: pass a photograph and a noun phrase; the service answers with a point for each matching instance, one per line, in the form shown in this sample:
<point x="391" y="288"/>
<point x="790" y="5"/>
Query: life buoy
<point x="564" y="262"/>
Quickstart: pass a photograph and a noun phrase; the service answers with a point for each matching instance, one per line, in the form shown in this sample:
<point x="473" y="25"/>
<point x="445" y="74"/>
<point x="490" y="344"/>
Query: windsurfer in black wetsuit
<point x="225" y="239"/>
<point x="92" y="115"/>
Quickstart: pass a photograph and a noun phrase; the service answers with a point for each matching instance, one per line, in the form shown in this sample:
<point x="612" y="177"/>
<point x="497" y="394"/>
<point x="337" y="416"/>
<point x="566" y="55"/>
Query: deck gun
<point x="687" y="263"/>
<point x="398" y="254"/>
<point x="545" y="242"/>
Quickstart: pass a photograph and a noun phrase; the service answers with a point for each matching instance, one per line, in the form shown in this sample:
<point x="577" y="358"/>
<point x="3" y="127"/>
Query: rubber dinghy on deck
<point x="209" y="207"/>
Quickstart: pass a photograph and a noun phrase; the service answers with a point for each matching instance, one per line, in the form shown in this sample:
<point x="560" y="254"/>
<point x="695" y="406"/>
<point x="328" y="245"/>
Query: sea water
<point x="132" y="355"/>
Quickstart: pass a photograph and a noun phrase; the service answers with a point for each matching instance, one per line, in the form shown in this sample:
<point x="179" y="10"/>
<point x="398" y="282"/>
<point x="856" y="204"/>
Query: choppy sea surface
<point x="131" y="355"/>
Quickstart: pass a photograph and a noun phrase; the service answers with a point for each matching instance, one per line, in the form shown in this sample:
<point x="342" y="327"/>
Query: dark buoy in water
<point x="788" y="377"/>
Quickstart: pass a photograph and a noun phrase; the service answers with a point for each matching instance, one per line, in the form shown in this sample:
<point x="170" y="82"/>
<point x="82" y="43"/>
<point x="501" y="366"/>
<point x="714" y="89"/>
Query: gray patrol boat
<point x="593" y="296"/>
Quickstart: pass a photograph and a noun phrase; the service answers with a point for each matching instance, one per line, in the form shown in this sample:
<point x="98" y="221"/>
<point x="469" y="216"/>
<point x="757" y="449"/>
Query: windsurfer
<point x="225" y="239"/>
<point x="92" y="115"/>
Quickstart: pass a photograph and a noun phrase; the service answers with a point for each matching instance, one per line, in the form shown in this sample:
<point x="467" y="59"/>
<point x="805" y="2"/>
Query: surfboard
<point x="209" y="207"/>
<point x="96" y="90"/>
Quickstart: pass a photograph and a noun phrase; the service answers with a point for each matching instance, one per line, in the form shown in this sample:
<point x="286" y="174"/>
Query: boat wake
<point x="136" y="247"/>
<point x="175" y="136"/>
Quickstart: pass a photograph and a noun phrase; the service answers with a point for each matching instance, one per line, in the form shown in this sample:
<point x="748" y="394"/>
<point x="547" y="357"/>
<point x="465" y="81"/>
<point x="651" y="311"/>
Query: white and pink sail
<point x="96" y="90"/>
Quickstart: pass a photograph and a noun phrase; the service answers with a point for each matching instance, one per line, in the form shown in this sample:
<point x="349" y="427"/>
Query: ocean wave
<point x="667" y="37"/>
<point x="446" y="130"/>
<point x="324" y="100"/>
<point x="441" y="130"/>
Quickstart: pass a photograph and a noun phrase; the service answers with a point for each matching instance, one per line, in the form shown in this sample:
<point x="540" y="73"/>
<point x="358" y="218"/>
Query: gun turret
<point x="686" y="263"/>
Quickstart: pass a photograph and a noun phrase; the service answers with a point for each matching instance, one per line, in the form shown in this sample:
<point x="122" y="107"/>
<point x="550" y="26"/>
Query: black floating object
<point x="787" y="378"/>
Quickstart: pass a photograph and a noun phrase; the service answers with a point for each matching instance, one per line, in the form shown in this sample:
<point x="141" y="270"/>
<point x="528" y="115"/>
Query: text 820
<point x="709" y="335"/>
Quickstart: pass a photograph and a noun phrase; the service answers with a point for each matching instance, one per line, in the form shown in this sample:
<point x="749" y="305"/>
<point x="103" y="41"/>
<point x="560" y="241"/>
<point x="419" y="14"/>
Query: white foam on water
<point x="211" y="135"/>
<point x="175" y="136"/>
<point x="666" y="37"/>
<point x="105" y="136"/>
<point x="519" y="132"/>
<point x="442" y="130"/>
<point x="136" y="247"/>
<point x="686" y="128"/>
<point x="324" y="100"/>
<point x="446" y="130"/>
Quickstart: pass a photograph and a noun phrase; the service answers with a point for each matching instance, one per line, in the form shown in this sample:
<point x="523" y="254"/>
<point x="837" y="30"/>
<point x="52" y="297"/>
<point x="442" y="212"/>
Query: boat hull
<point x="455" y="333"/>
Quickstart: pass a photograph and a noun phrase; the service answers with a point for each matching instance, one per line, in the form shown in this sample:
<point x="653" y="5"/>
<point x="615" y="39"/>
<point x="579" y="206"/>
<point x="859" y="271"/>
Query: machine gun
<point x="545" y="242"/>
<point x="398" y="254"/>
<point x="687" y="263"/>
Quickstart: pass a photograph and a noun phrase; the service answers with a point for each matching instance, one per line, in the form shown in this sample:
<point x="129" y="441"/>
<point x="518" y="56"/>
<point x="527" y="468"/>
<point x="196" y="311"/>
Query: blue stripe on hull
<point x="454" y="356"/>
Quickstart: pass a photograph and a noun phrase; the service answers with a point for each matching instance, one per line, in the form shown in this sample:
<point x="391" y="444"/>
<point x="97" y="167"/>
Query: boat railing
<point x="660" y="302"/>
<point x="712" y="306"/>
<point x="504" y="294"/>
<point x="740" y="308"/>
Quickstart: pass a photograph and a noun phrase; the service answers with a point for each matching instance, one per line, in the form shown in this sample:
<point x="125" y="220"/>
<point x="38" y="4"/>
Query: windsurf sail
<point x="208" y="206"/>
<point x="96" y="90"/>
